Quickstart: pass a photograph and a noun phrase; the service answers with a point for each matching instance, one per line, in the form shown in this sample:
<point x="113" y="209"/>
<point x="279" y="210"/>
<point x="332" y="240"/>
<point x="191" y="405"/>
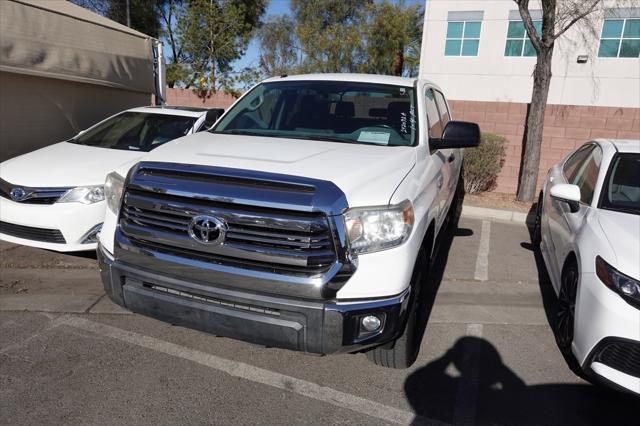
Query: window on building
<point x="620" y="38"/>
<point x="463" y="38"/>
<point x="518" y="42"/>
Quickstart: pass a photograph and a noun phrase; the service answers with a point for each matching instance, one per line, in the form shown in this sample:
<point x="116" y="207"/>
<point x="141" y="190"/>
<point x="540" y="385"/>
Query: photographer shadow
<point x="470" y="384"/>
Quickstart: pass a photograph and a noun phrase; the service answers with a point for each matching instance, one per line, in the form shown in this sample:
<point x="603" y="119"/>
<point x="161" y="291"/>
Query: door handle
<point x="440" y="180"/>
<point x="451" y="158"/>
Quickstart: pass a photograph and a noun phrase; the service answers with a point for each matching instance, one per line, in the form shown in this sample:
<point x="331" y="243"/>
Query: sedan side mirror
<point x="457" y="134"/>
<point x="567" y="193"/>
<point x="210" y="119"/>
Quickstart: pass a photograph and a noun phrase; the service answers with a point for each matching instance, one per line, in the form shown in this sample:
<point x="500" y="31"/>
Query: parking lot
<point x="67" y="355"/>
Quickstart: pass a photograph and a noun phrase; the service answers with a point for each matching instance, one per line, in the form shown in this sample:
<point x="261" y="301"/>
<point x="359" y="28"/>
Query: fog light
<point x="371" y="323"/>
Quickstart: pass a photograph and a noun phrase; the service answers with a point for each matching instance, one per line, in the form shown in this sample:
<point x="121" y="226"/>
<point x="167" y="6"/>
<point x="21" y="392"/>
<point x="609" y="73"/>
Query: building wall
<point x="565" y="128"/>
<point x="187" y="97"/>
<point x="491" y="76"/>
<point x="37" y="111"/>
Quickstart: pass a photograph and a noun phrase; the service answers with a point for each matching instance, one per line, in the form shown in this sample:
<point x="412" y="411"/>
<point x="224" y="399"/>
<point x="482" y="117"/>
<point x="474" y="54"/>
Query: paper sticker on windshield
<point x="381" y="138"/>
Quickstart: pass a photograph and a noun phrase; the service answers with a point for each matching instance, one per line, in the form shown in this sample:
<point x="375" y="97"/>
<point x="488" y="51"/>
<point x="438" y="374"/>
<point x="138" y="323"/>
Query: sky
<point x="277" y="7"/>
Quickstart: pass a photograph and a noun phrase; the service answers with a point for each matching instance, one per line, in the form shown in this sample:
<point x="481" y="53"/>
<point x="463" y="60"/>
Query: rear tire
<point x="404" y="350"/>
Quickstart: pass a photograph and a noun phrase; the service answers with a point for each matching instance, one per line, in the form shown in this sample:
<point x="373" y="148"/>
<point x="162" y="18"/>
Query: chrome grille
<point x="262" y="236"/>
<point x="33" y="195"/>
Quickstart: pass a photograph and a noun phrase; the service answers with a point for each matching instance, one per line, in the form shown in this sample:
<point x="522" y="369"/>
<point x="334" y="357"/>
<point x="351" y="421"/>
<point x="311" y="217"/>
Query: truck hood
<point x="623" y="233"/>
<point x="65" y="164"/>
<point x="367" y="174"/>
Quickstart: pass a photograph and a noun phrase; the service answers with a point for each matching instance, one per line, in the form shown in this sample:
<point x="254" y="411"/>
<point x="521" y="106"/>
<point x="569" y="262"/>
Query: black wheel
<point x="402" y="353"/>
<point x="567" y="307"/>
<point x="536" y="235"/>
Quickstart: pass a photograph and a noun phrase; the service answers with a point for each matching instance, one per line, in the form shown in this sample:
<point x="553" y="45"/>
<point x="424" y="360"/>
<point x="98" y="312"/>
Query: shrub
<point x="482" y="164"/>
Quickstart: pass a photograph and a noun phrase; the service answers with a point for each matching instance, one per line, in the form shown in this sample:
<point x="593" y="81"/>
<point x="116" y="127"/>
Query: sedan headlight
<point x="373" y="229"/>
<point x="113" y="187"/>
<point x="83" y="194"/>
<point x="625" y="286"/>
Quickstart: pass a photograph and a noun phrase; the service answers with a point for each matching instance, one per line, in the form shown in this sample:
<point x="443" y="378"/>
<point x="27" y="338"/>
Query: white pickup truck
<point x="305" y="219"/>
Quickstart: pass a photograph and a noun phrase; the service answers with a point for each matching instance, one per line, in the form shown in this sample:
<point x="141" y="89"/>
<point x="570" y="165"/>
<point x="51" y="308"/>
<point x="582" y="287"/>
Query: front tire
<point x="565" y="320"/>
<point x="403" y="352"/>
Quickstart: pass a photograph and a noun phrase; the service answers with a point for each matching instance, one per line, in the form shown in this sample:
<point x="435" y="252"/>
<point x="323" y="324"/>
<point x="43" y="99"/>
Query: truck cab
<point x="304" y="219"/>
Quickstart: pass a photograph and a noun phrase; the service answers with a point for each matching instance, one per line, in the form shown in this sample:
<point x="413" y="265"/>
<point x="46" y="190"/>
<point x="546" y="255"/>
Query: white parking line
<point x="482" y="261"/>
<point x="254" y="374"/>
<point x="467" y="392"/>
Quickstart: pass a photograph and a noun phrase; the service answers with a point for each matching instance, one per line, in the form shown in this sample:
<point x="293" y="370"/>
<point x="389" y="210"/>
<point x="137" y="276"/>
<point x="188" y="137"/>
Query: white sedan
<point x="588" y="228"/>
<point x="53" y="198"/>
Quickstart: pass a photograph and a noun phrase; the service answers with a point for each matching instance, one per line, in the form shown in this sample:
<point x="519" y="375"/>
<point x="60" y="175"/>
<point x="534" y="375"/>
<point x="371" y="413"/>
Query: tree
<point x="212" y="34"/>
<point x="393" y="33"/>
<point x="143" y="14"/>
<point x="343" y="36"/>
<point x="279" y="50"/>
<point x="557" y="17"/>
<point x="330" y="33"/>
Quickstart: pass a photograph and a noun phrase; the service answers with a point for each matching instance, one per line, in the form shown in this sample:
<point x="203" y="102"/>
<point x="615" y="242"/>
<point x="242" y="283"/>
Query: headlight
<point x="625" y="286"/>
<point x="113" y="187"/>
<point x="83" y="194"/>
<point x="378" y="228"/>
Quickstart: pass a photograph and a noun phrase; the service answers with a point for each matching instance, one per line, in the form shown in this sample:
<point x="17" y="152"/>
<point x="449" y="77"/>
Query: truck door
<point x="438" y="157"/>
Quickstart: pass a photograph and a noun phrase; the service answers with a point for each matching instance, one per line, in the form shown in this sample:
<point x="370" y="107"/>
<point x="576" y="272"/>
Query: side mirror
<point x="567" y="193"/>
<point x="457" y="134"/>
<point x="210" y="119"/>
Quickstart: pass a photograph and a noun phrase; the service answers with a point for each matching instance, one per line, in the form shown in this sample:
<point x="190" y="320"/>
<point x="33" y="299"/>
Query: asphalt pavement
<point x="488" y="355"/>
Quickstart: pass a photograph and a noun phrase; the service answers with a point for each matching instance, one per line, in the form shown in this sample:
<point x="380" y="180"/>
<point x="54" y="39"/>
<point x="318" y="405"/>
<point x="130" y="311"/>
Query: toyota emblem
<point x="207" y="230"/>
<point x="18" y="194"/>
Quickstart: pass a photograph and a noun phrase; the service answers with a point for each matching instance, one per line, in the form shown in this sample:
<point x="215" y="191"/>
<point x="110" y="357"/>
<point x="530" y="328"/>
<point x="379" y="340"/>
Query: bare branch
<point x="577" y="18"/>
<point x="523" y="7"/>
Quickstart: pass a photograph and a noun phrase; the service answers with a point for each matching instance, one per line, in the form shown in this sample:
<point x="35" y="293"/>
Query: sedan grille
<point x="621" y="355"/>
<point x="30" y="233"/>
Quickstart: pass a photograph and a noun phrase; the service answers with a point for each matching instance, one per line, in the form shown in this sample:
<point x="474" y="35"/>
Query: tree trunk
<point x="533" y="130"/>
<point x="398" y="63"/>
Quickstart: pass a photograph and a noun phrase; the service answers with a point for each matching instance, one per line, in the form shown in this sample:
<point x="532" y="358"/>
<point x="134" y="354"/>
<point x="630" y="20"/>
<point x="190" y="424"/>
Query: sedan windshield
<point x="326" y="110"/>
<point x="136" y="131"/>
<point x="621" y="191"/>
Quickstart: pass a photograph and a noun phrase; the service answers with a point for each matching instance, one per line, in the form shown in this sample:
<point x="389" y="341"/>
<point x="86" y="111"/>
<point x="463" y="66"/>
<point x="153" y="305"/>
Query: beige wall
<point x="36" y="112"/>
<point x="565" y="128"/>
<point x="187" y="97"/>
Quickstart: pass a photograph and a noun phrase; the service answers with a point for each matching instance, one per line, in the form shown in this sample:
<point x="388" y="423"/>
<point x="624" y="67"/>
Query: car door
<point x="580" y="169"/>
<point x="438" y="157"/>
<point x="451" y="166"/>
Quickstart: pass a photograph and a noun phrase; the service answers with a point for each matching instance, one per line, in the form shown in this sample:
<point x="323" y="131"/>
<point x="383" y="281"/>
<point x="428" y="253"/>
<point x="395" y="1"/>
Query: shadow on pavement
<point x="470" y="384"/>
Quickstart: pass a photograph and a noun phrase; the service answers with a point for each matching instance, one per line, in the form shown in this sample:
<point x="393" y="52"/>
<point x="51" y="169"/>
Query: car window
<point x="621" y="191"/>
<point x="136" y="131"/>
<point x="445" y="117"/>
<point x="335" y="111"/>
<point x="433" y="116"/>
<point x="586" y="174"/>
<point x="572" y="164"/>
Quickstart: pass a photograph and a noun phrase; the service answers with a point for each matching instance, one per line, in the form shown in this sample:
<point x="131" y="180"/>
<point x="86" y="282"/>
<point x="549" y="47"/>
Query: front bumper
<point x="607" y="334"/>
<point x="312" y="326"/>
<point x="73" y="220"/>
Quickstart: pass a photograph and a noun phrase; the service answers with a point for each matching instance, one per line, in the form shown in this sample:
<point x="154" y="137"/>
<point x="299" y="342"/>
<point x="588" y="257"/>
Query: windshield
<point x="326" y="110"/>
<point x="136" y="131"/>
<point x="621" y="191"/>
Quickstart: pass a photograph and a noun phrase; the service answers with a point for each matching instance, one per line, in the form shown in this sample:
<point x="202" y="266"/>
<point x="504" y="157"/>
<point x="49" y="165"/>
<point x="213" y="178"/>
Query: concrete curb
<point x="494" y="214"/>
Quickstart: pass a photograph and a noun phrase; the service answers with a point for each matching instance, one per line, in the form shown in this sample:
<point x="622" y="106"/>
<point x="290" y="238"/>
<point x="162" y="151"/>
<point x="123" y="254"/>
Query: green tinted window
<point x="463" y="38"/>
<point x="518" y="42"/>
<point x="620" y="38"/>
